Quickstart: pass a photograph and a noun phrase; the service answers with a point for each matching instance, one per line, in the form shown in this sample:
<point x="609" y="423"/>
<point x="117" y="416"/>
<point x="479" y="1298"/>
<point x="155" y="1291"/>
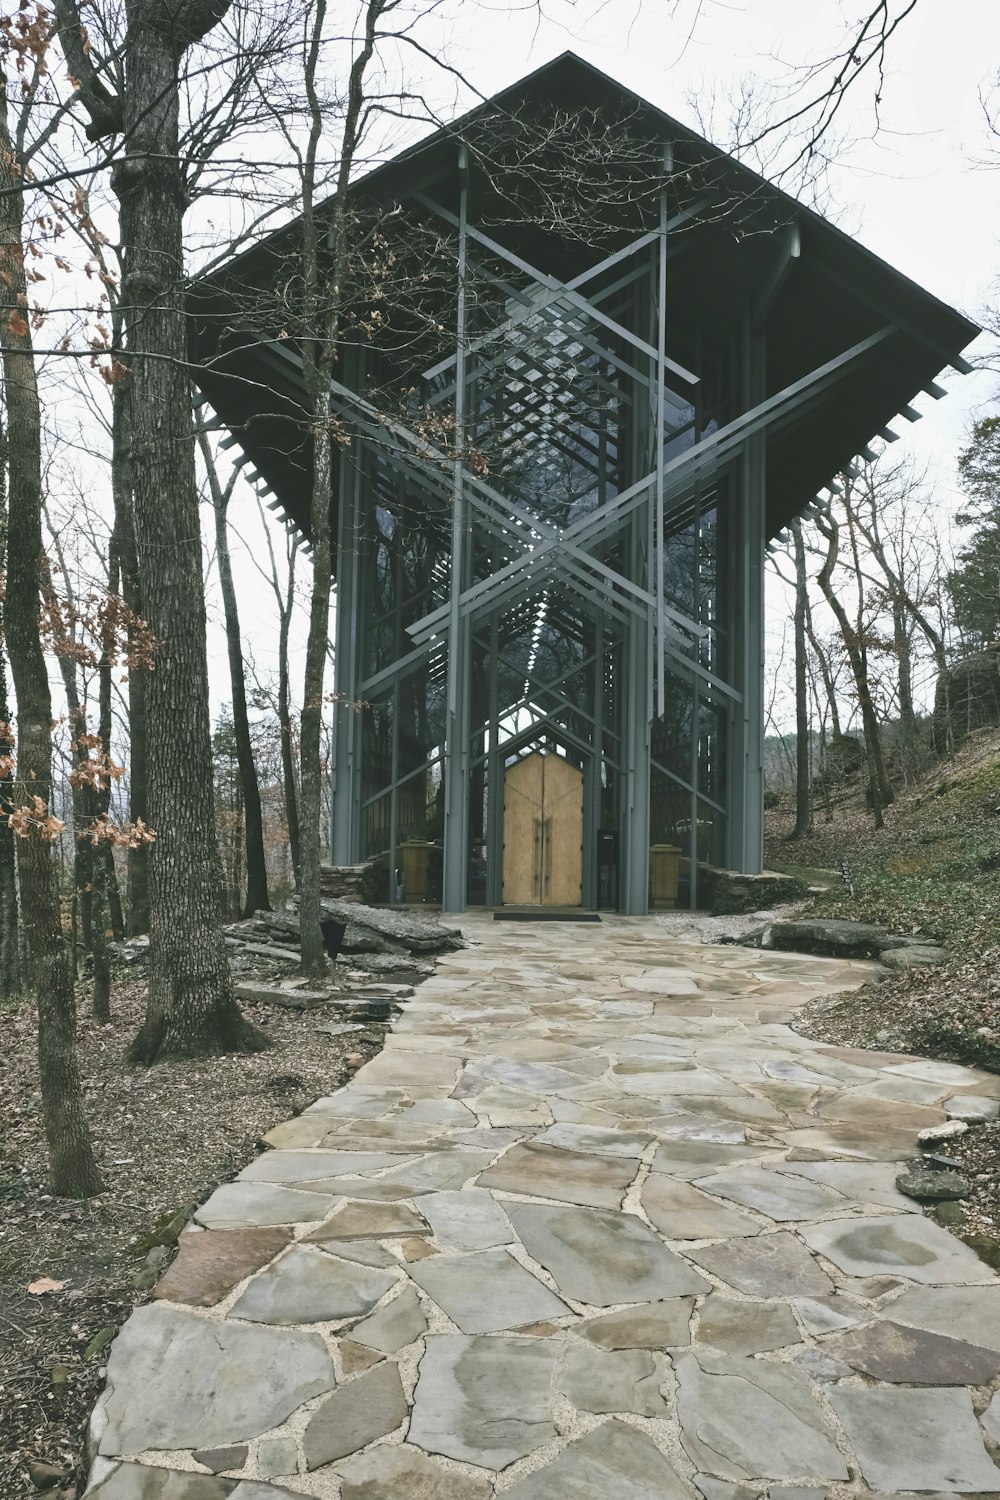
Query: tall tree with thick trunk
<point x="191" y="1009"/>
<point x="325" y="247"/>
<point x="10" y="954"/>
<point x="253" y="821"/>
<point x="73" y="1168"/>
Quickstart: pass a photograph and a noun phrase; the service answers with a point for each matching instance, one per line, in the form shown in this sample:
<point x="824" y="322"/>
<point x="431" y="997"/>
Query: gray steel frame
<point x="623" y="589"/>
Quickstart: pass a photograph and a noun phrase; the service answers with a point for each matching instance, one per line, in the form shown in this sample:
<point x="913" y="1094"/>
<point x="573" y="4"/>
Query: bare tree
<point x="253" y="824"/>
<point x="191" y="1006"/>
<point x="73" y="1167"/>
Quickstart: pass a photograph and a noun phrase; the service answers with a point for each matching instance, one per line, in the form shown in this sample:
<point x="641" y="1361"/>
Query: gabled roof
<point x="836" y="295"/>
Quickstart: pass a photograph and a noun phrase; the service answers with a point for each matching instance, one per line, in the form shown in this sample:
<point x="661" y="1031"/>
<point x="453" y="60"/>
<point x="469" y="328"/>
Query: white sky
<point x="919" y="195"/>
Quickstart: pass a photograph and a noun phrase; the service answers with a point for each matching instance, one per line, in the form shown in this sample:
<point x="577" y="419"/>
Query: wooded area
<point x="142" y="143"/>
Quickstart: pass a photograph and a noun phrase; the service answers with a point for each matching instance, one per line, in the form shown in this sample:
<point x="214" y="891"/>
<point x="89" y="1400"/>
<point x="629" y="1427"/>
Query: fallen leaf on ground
<point x="45" y="1284"/>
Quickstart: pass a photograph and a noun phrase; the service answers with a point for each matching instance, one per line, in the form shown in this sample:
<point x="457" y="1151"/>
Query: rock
<point x="962" y="1312"/>
<point x="176" y="1380"/>
<point x="209" y="1265"/>
<point x="569" y="1176"/>
<point x="45" y="1476"/>
<point x="730" y="893"/>
<point x="915" y="956"/>
<point x="392" y="1326"/>
<point x="602" y="1258"/>
<point x="653" y="1325"/>
<point x="932" y="1187"/>
<point x="308" y="1286"/>
<point x="600" y="1381"/>
<point x="277" y="1456"/>
<point x="615" y="1460"/>
<point x="916" y="1439"/>
<point x="950" y="1212"/>
<point x="748" y="1419"/>
<point x="911" y="1356"/>
<point x="487" y="1292"/>
<point x="909" y="1244"/>
<point x="357" y="1413"/>
<point x="218" y="1459"/>
<point x="746" y="1327"/>
<point x="148" y="1273"/>
<point x="372" y="929"/>
<point x="484" y="1401"/>
<point x="833" y="938"/>
<point x="469" y="1220"/>
<point x="100" y="1341"/>
<point x="950" y="1130"/>
<point x="237" y="1205"/>
<point x="404" y="1471"/>
<point x="772" y="1265"/>
<point x="972" y="1109"/>
<point x="264" y="994"/>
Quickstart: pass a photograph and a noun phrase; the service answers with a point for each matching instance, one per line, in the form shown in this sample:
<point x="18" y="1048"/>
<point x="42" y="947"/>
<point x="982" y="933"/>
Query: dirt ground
<point x="165" y="1138"/>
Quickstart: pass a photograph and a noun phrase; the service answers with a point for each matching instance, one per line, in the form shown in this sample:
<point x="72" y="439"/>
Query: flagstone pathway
<point x="595" y="1225"/>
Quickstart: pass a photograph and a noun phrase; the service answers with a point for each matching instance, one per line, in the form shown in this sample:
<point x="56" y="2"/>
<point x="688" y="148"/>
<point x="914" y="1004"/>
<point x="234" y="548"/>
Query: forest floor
<point x="165" y="1138"/>
<point x="933" y="870"/>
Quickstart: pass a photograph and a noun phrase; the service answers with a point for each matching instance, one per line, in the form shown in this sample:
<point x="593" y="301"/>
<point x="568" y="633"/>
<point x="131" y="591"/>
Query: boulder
<point x="728" y="893"/>
<point x="967" y="698"/>
<point x="831" y="938"/>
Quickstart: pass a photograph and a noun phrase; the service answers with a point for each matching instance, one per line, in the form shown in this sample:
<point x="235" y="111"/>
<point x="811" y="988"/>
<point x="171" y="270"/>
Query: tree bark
<point x="10" y="952"/>
<point x="137" y="885"/>
<point x="803" y="755"/>
<point x="880" y="788"/>
<point x="73" y="1168"/>
<point x="253" y="822"/>
<point x="323" y="272"/>
<point x="285" y="718"/>
<point x="191" y="1009"/>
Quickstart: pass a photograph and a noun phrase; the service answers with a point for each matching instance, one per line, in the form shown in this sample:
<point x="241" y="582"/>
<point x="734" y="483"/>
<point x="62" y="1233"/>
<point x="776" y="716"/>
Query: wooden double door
<point x="543" y="832"/>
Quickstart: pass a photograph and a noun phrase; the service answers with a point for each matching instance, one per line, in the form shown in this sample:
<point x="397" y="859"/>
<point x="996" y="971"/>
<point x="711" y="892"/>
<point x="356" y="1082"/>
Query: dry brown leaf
<point x="45" y="1284"/>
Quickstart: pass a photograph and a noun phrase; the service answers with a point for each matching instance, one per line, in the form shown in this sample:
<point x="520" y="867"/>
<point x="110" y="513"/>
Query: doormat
<point x="545" y="916"/>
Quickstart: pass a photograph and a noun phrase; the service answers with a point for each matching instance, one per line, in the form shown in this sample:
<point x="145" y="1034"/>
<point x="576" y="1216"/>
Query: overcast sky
<point x="922" y="193"/>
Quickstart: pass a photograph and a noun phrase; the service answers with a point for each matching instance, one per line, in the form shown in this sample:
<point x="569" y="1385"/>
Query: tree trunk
<point x="253" y="822"/>
<point x="880" y="789"/>
<point x="10" y="951"/>
<point x="137" y="880"/>
<point x="803" y="756"/>
<point x="323" y="274"/>
<point x="285" y="724"/>
<point x="73" y="1168"/>
<point x="191" y="1009"/>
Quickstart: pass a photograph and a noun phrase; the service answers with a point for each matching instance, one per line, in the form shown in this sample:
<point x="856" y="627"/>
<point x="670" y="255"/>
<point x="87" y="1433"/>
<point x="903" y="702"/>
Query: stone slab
<point x="209" y="1265"/>
<point x="400" y="1471"/>
<point x="602" y="1258"/>
<point x="567" y="1176"/>
<point x="652" y="1325"/>
<point x="239" y="1205"/>
<point x="602" y="1381"/>
<point x="308" y="1286"/>
<point x="746" y="1327"/>
<point x="176" y="1380"/>
<point x="484" y="1401"/>
<point x="614" y="1460"/>
<point x="683" y="1212"/>
<point x="962" y="1312"/>
<point x="114" y="1481"/>
<point x="780" y="1197"/>
<point x="916" y="1439"/>
<point x="394" y="1325"/>
<point x="367" y="1220"/>
<point x="747" y="1419"/>
<point x="308" y="1166"/>
<point x="366" y="1408"/>
<point x="469" y="1220"/>
<point x="771" y="1265"/>
<point x="488" y="1292"/>
<point x="907" y="1244"/>
<point x="890" y="1352"/>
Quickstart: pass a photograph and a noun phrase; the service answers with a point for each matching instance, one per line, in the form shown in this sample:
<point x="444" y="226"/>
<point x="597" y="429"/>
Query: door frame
<point x="527" y="743"/>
